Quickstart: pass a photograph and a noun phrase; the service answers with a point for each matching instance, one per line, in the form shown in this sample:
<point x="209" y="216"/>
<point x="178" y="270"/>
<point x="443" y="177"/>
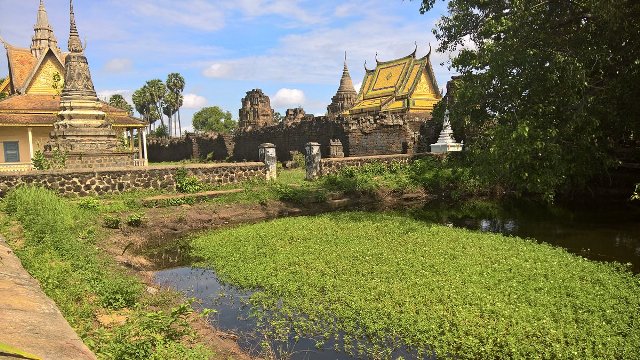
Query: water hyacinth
<point x="380" y="282"/>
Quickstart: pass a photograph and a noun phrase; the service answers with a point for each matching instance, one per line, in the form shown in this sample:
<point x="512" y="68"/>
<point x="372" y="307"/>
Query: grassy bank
<point x="387" y="281"/>
<point x="108" y="308"/>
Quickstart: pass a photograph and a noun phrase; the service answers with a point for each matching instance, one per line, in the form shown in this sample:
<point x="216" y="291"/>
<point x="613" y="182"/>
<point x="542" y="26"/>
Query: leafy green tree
<point x="277" y="117"/>
<point x="549" y="89"/>
<point x="118" y="101"/>
<point x="213" y="119"/>
<point x="144" y="106"/>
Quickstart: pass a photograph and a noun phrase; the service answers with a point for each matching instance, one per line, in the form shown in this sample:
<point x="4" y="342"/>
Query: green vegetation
<point x="60" y="251"/>
<point x="119" y="102"/>
<point x="186" y="183"/>
<point x="371" y="177"/>
<point x="540" y="108"/>
<point x="213" y="119"/>
<point x="156" y="99"/>
<point x="388" y="281"/>
<point x="58" y="160"/>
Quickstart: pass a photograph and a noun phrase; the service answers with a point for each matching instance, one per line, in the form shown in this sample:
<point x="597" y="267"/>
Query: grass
<point x="59" y="249"/>
<point x="386" y="281"/>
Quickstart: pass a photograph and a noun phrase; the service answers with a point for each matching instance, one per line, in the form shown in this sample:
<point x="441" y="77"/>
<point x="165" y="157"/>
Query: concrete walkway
<point x="29" y="320"/>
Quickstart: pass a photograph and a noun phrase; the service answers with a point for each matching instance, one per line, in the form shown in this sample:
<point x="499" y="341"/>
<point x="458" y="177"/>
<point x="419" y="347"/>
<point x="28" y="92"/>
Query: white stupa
<point x="446" y="142"/>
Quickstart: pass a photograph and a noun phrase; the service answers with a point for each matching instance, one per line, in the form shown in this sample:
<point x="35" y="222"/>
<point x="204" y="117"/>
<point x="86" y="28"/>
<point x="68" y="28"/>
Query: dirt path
<point x="29" y="320"/>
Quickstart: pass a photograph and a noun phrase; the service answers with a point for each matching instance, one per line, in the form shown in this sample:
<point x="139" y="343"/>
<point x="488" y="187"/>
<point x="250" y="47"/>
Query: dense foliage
<point x="387" y="281"/>
<point x="60" y="251"/>
<point x="213" y="119"/>
<point x="118" y="101"/>
<point x="548" y="89"/>
<point x="157" y="98"/>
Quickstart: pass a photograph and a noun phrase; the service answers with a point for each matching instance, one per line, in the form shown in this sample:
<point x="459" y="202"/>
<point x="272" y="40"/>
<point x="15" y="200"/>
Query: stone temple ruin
<point x="389" y="115"/>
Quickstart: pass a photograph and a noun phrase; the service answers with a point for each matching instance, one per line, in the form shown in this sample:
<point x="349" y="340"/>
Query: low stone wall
<point x="118" y="180"/>
<point x="332" y="166"/>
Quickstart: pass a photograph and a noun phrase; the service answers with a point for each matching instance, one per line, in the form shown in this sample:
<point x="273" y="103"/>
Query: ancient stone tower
<point x="256" y="111"/>
<point x="346" y="95"/>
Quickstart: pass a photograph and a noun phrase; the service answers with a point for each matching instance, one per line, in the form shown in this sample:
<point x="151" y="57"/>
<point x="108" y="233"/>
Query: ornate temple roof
<point x="44" y="36"/>
<point x="42" y="110"/>
<point x="407" y="84"/>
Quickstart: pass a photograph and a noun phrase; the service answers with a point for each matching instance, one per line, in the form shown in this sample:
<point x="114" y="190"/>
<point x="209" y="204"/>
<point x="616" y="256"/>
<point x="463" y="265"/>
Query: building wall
<point x="40" y="136"/>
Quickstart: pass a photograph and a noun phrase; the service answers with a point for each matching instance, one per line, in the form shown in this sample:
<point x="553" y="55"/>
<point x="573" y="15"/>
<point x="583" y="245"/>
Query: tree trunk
<point x="179" y="123"/>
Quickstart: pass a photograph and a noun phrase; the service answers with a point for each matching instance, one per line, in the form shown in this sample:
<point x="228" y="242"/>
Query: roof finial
<point x="345" y="57"/>
<point x="429" y="54"/>
<point x="416" y="49"/>
<point x="75" y="45"/>
<point x="377" y="57"/>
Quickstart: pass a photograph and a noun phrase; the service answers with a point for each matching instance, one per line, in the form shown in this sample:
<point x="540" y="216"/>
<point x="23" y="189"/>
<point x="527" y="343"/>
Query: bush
<point x="111" y="222"/>
<point x="89" y="203"/>
<point x="135" y="220"/>
<point x="187" y="184"/>
<point x="370" y="177"/>
<point x="447" y="177"/>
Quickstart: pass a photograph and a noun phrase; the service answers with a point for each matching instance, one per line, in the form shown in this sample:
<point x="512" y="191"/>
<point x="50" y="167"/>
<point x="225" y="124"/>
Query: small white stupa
<point x="446" y="142"/>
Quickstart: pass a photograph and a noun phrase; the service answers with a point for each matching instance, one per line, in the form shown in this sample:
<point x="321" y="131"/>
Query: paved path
<point x="29" y="320"/>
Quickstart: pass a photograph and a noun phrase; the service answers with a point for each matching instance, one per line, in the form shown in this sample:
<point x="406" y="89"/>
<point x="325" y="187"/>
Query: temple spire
<point x="345" y="96"/>
<point x="75" y="45"/>
<point x="43" y="36"/>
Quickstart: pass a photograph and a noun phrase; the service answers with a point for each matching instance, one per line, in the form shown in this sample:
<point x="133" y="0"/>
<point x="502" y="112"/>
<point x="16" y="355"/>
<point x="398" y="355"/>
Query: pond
<point x="602" y="233"/>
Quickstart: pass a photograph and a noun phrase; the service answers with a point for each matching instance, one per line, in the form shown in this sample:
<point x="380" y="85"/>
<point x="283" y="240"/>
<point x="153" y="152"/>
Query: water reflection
<point x="609" y="232"/>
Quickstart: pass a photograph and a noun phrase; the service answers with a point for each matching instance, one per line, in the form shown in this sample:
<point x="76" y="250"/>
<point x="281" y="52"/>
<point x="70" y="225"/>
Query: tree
<point x="213" y="119"/>
<point x="156" y="91"/>
<point x="144" y="105"/>
<point x="175" y="85"/>
<point x="277" y="117"/>
<point x="548" y="89"/>
<point x="118" y="101"/>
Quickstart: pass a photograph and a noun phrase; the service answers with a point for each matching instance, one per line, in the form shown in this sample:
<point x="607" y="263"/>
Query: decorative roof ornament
<point x="429" y="54"/>
<point x="415" y="51"/>
<point x="77" y="80"/>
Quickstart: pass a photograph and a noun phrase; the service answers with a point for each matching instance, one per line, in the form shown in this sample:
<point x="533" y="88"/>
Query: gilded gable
<point x="43" y="82"/>
<point x="403" y="85"/>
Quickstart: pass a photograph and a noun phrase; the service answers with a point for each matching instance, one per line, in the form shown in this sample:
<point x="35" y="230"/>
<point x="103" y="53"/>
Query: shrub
<point x="111" y="222"/>
<point x="187" y="184"/>
<point x="89" y="203"/>
<point x="135" y="219"/>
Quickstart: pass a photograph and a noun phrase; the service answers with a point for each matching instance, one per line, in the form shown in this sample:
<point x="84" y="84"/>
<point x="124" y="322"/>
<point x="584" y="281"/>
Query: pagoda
<point x="30" y="100"/>
<point x="346" y="95"/>
<point x="402" y="86"/>
<point x="82" y="131"/>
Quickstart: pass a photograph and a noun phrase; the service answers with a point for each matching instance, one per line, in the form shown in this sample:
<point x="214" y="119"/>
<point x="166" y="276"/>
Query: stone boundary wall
<point x="119" y="180"/>
<point x="191" y="146"/>
<point x="332" y="166"/>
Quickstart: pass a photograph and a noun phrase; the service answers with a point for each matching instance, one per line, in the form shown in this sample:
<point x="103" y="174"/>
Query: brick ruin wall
<point x="365" y="136"/>
<point x="332" y="166"/>
<point x="196" y="147"/>
<point x="119" y="180"/>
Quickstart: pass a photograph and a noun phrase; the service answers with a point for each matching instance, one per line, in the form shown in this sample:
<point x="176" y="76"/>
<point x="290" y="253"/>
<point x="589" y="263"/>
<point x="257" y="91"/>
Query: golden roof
<point x="407" y="84"/>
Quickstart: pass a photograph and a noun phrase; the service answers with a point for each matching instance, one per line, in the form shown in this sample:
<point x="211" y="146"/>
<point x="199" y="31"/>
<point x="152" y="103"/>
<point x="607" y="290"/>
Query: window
<point x="11" y="151"/>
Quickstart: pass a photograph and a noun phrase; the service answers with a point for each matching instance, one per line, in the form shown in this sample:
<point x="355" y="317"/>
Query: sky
<point x="291" y="49"/>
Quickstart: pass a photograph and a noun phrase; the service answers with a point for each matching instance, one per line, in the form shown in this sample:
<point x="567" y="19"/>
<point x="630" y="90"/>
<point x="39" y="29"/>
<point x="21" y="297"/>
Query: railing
<point x="15" y="167"/>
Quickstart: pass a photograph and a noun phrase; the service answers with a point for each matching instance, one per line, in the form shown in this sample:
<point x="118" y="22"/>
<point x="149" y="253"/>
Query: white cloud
<point x="196" y="14"/>
<point x="107" y="94"/>
<point x="193" y="101"/>
<point x="217" y="70"/>
<point x="288" y="98"/>
<point x="119" y="65"/>
<point x="358" y="86"/>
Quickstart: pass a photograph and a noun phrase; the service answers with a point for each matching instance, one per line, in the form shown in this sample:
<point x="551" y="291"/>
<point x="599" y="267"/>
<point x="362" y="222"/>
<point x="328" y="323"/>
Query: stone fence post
<point x="312" y="160"/>
<point x="267" y="154"/>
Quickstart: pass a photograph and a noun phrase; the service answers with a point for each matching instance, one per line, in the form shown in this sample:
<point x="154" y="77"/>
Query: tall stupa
<point x="82" y="131"/>
<point x="346" y="95"/>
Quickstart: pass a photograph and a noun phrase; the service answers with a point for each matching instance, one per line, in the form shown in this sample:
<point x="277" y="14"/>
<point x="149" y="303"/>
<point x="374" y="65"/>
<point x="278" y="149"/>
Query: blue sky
<point x="292" y="49"/>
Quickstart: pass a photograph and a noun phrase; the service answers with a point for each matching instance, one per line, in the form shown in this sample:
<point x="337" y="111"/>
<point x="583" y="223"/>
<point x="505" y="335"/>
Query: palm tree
<point x="175" y="85"/>
<point x="157" y="91"/>
<point x="118" y="101"/>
